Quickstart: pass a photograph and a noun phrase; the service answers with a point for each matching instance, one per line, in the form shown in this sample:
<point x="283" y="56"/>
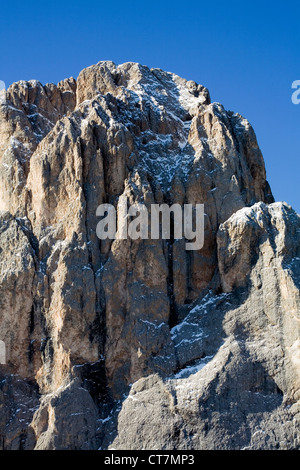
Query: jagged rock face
<point x="240" y="389"/>
<point x="204" y="336"/>
<point x="26" y="117"/>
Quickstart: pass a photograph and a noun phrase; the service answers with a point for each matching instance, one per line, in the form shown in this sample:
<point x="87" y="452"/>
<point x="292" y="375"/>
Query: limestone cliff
<point x="132" y="344"/>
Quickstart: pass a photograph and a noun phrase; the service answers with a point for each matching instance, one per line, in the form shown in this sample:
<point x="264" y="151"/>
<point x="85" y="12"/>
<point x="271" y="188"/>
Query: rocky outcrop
<point x="238" y="383"/>
<point x="201" y="347"/>
<point x="28" y="112"/>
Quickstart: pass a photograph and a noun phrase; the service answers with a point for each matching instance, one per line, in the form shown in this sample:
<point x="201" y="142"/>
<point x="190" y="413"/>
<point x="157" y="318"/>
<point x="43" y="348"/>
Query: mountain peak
<point x="203" y="339"/>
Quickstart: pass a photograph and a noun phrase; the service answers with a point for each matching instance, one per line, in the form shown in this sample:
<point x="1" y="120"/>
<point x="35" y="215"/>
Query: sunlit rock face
<point x="130" y="344"/>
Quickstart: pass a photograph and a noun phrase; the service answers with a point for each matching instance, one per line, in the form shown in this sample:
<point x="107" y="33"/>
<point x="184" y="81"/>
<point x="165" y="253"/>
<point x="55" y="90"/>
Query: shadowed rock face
<point x="141" y="343"/>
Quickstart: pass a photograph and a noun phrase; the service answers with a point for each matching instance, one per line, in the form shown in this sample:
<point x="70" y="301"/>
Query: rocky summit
<point x="141" y="343"/>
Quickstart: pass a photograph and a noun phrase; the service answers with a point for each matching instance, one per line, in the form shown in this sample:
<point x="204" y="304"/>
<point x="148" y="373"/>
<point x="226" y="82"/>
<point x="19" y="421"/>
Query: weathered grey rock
<point x="19" y="399"/>
<point x="238" y="387"/>
<point x="28" y="112"/>
<point x="17" y="273"/>
<point x="84" y="319"/>
<point x="66" y="420"/>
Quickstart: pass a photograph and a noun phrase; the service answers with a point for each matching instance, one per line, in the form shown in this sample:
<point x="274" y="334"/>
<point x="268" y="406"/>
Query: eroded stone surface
<point x="84" y="319"/>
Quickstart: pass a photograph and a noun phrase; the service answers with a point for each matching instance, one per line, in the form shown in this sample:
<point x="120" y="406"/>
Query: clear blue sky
<point x="246" y="53"/>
